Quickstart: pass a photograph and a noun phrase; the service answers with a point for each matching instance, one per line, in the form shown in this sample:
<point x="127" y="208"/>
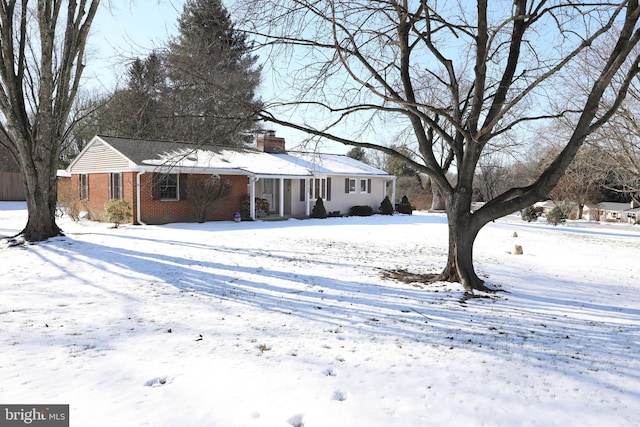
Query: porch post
<point x="393" y="192"/>
<point x="252" y="197"/>
<point x="281" y="198"/>
<point x="308" y="198"/>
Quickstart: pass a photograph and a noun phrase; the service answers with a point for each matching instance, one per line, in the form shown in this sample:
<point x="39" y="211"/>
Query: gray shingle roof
<point x="141" y="150"/>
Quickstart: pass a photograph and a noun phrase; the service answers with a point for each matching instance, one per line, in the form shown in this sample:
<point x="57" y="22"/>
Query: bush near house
<point x="386" y="208"/>
<point x="405" y="206"/>
<point x="361" y="211"/>
<point x="117" y="211"/>
<point x="319" y="210"/>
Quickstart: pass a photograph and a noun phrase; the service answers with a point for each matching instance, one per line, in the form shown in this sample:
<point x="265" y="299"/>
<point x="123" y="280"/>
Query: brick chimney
<point x="269" y="143"/>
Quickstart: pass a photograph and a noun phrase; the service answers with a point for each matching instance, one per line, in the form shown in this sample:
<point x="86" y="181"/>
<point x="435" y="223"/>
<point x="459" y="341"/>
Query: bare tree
<point x="42" y="46"/>
<point x="463" y="72"/>
<point x="581" y="179"/>
<point x="618" y="147"/>
<point x="206" y="194"/>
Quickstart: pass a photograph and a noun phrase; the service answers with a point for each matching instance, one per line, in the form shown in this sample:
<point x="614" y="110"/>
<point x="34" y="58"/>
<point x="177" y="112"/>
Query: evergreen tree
<point x="319" y="211"/>
<point x="557" y="216"/>
<point x="213" y="77"/>
<point x="529" y="214"/>
<point x="386" y="208"/>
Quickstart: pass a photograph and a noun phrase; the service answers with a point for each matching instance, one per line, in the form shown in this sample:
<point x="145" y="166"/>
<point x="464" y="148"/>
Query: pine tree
<point x="386" y="208"/>
<point x="213" y="77"/>
<point x="319" y="211"/>
<point x="529" y="214"/>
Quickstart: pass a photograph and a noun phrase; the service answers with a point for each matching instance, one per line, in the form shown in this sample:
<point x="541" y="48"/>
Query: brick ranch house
<point x="152" y="176"/>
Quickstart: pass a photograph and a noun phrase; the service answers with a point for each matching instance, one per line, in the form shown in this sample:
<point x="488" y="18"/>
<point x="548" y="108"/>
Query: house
<point x="613" y="211"/>
<point x="11" y="188"/>
<point x="619" y="212"/>
<point x="570" y="208"/>
<point x="153" y="176"/>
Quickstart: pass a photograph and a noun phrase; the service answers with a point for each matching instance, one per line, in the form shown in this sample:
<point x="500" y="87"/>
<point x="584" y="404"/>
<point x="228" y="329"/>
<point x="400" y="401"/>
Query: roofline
<point x="93" y="140"/>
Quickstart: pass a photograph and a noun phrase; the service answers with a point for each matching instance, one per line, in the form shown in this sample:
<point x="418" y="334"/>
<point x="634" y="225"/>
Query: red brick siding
<point x="153" y="211"/>
<point x="166" y="211"/>
<point x="98" y="193"/>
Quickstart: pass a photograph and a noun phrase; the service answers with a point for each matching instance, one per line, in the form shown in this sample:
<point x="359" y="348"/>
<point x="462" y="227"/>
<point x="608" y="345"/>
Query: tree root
<point x="404" y="276"/>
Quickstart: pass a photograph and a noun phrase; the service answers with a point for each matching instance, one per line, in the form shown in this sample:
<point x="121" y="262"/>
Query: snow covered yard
<point x="291" y="323"/>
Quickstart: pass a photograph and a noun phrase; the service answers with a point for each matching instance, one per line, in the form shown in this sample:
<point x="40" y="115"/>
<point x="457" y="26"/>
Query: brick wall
<point x="153" y="211"/>
<point x="166" y="211"/>
<point x="98" y="193"/>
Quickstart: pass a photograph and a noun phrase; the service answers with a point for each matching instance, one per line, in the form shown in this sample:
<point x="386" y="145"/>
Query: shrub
<point x="361" y="211"/>
<point x="319" y="210"/>
<point x="405" y="206"/>
<point x="386" y="208"/>
<point x="529" y="214"/>
<point x="245" y="207"/>
<point x="68" y="203"/>
<point x="206" y="194"/>
<point x="556" y="216"/>
<point x="117" y="211"/>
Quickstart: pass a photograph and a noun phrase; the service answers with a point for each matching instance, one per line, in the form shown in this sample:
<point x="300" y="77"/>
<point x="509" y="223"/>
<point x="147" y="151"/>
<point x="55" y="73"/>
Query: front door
<point x="268" y="187"/>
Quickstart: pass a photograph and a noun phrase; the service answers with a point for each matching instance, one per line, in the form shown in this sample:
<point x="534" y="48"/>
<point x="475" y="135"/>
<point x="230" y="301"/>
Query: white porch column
<point x="393" y="192"/>
<point x="252" y="197"/>
<point x="307" y="197"/>
<point x="281" y="198"/>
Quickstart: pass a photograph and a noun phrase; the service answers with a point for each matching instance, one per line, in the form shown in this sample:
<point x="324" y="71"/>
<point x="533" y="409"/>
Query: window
<point x="363" y="186"/>
<point x="169" y="187"/>
<point x="84" y="186"/>
<point x="115" y="186"/>
<point x="318" y="188"/>
<point x="352" y="185"/>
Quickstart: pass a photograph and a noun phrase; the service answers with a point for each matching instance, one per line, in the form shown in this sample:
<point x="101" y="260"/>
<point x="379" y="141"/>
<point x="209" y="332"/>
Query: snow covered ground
<point x="290" y="324"/>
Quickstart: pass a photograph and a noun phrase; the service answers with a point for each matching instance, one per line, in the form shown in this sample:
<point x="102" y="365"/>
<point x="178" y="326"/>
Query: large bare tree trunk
<point x="41" y="194"/>
<point x="37" y="89"/>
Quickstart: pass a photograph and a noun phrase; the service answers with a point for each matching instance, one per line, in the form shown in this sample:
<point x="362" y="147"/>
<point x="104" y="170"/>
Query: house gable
<point x="98" y="156"/>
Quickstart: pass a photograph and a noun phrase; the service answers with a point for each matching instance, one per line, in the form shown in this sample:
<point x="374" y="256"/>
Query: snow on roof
<point x="247" y="161"/>
<point x="330" y="163"/>
<point x="614" y="206"/>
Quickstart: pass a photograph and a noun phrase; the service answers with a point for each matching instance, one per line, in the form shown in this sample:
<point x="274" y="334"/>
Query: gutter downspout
<point x="138" y="207"/>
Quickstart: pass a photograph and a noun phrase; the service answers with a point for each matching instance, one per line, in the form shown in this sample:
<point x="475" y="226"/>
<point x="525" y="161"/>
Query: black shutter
<point x="182" y="186"/>
<point x="369" y="185"/>
<point x="302" y="190"/>
<point x="155" y="186"/>
<point x="328" y="189"/>
<point x="346" y="185"/>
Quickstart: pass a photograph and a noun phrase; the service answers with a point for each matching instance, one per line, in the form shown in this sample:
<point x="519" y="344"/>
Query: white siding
<point x="343" y="201"/>
<point x="100" y="157"/>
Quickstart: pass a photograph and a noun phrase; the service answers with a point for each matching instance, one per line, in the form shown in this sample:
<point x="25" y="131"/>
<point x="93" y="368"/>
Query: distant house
<point x="547" y="206"/>
<point x="612" y="211"/>
<point x="153" y="176"/>
<point x="11" y="188"/>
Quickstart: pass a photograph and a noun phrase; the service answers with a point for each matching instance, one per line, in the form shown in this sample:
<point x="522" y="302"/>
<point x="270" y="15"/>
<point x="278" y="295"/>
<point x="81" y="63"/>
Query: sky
<point x="125" y="30"/>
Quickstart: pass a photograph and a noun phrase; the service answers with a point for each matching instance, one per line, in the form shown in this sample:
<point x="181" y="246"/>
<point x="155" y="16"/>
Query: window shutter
<point x="155" y="186"/>
<point x="110" y="186"/>
<point x="182" y="186"/>
<point x="303" y="190"/>
<point x="328" y="189"/>
<point x="346" y="185"/>
<point x="369" y="185"/>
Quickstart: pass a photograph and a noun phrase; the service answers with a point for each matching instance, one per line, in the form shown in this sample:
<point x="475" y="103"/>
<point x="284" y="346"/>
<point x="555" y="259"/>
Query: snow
<point x="291" y="323"/>
<point x="249" y="161"/>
